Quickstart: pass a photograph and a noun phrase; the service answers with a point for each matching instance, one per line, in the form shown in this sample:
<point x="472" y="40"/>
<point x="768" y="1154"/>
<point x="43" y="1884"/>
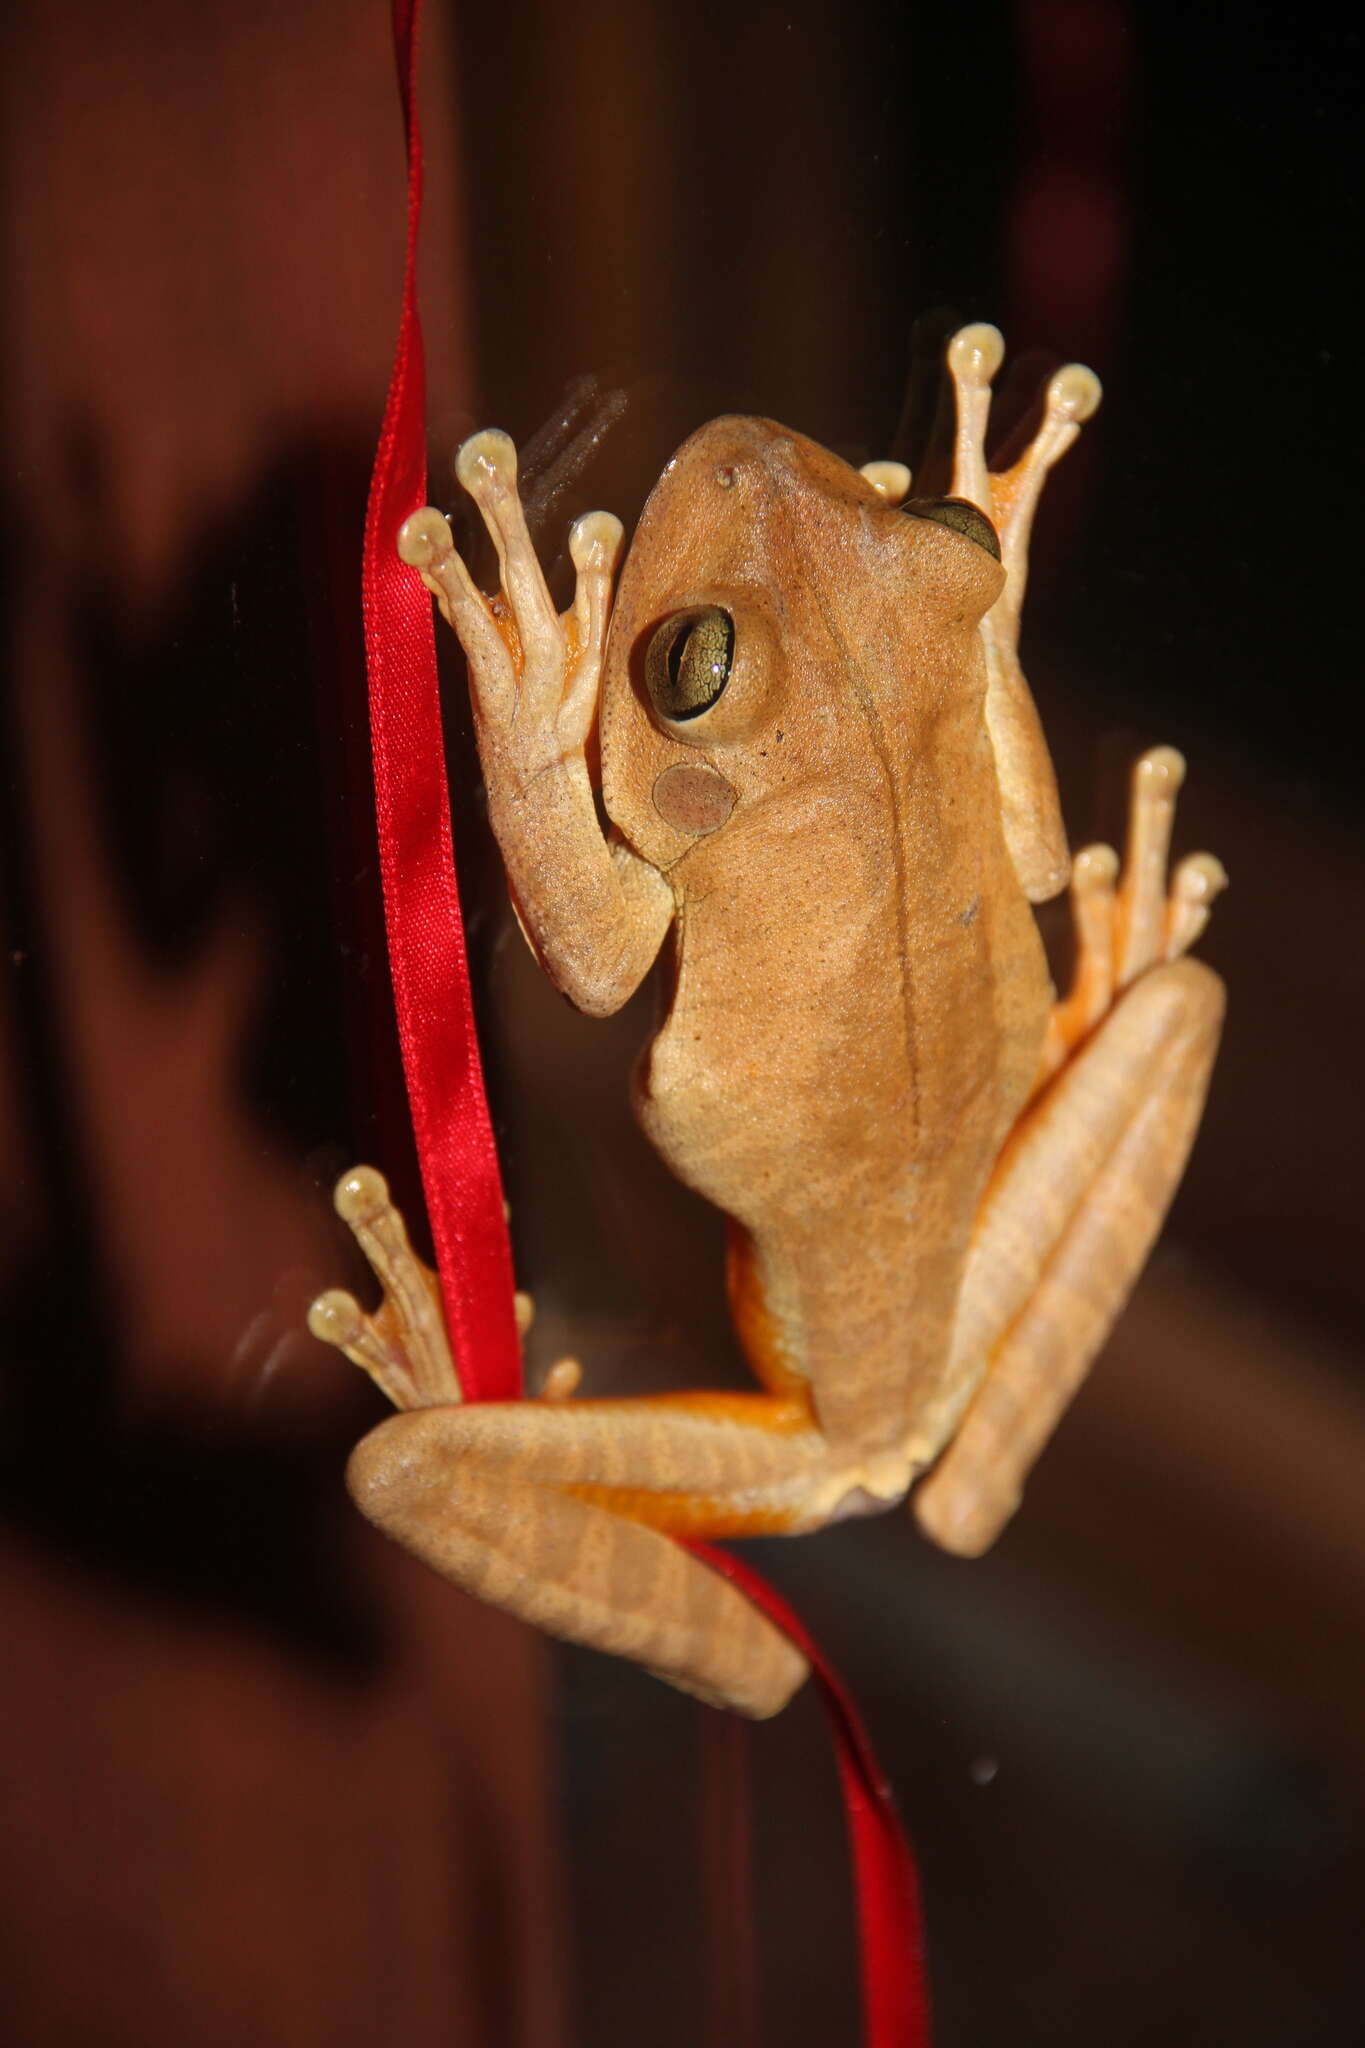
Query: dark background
<point x="261" y="1777"/>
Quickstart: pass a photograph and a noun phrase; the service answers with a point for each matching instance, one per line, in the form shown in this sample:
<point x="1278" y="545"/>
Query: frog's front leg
<point x="593" y="911"/>
<point x="1087" y="1175"/>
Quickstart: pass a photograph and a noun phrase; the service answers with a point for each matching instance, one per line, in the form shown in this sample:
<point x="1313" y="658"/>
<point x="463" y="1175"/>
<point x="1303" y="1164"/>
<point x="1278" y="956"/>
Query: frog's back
<point x="859" y="991"/>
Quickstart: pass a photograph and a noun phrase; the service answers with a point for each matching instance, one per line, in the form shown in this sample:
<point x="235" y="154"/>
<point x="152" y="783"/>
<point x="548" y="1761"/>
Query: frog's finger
<point x="974" y="355"/>
<point x="1071" y="398"/>
<point x="890" y="480"/>
<point x="594" y="548"/>
<point x="426" y="544"/>
<point x="486" y="465"/>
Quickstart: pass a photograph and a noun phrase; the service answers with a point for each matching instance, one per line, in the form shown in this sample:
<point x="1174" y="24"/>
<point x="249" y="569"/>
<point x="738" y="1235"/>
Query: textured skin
<point x="941" y="1184"/>
<point x="859" y="993"/>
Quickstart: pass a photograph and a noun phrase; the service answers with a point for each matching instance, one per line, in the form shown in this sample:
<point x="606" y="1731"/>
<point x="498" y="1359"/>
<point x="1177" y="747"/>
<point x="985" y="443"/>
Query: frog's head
<point x="781" y="620"/>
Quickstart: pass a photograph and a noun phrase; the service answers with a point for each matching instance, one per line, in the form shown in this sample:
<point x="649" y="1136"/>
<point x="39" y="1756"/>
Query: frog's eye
<point x="964" y="518"/>
<point x="687" y="664"/>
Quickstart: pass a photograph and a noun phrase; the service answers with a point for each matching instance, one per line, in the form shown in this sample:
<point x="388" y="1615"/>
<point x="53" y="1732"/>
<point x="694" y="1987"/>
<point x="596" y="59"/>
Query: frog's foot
<point x="403" y="1345"/>
<point x="1128" y="923"/>
<point x="534" y="674"/>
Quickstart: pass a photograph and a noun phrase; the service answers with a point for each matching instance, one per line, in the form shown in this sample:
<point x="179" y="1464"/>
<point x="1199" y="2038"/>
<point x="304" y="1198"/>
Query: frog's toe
<point x="1195" y="886"/>
<point x="425" y="540"/>
<point x="403" y="1345"/>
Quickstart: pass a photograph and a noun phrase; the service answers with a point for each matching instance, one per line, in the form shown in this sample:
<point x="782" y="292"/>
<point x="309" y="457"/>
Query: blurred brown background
<point x="262" y="1779"/>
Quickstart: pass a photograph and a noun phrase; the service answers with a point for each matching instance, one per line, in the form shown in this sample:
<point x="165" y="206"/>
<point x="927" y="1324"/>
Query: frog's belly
<point x="843" y="1098"/>
<point x="808" y="1040"/>
<point x="797" y="1063"/>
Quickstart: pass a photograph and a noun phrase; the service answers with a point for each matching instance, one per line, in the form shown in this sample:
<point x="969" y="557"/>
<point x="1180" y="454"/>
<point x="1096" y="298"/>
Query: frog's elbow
<point x="601" y="982"/>
<point x="596" y="998"/>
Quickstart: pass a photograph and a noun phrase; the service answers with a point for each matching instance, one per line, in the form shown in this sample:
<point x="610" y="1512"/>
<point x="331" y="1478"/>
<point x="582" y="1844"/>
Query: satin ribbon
<point x="890" y="1939"/>
<point x="450" y="1117"/>
<point x="431" y="991"/>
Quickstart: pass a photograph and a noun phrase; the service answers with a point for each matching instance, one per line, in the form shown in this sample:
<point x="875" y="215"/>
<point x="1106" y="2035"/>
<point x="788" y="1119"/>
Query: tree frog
<point x="830" y="810"/>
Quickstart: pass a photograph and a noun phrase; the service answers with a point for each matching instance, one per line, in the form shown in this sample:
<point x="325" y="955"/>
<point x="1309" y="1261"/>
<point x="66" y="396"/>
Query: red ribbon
<point x="431" y="992"/>
<point x="890" y="1940"/>
<point x="450" y="1118"/>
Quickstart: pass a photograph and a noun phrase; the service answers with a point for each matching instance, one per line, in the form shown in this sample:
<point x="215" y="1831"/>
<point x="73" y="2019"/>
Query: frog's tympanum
<point x="827" y="789"/>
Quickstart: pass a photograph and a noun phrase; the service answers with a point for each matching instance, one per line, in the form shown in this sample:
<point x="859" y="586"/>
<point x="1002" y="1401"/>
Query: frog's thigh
<point x="544" y="1509"/>
<point x="1068" y="1225"/>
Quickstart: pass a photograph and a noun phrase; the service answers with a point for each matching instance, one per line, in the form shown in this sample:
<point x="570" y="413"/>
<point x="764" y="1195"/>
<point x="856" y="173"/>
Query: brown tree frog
<point x="828" y="792"/>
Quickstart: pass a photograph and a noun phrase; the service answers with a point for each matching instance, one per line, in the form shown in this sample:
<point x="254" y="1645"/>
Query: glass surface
<point x="264" y="1778"/>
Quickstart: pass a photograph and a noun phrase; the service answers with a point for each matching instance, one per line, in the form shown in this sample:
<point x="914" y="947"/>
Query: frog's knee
<point x="397" y="1460"/>
<point x="1179" y="999"/>
<point x="1200" y="989"/>
<point x="1208" y="999"/>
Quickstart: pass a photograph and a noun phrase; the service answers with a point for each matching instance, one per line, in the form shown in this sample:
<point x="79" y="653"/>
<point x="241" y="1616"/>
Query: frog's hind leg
<point x="565" y="1512"/>
<point x="1087" y="1175"/>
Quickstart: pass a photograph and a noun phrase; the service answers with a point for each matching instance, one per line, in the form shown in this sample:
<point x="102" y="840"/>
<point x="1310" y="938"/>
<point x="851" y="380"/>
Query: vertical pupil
<point x="696" y="661"/>
<point x="675" y="662"/>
